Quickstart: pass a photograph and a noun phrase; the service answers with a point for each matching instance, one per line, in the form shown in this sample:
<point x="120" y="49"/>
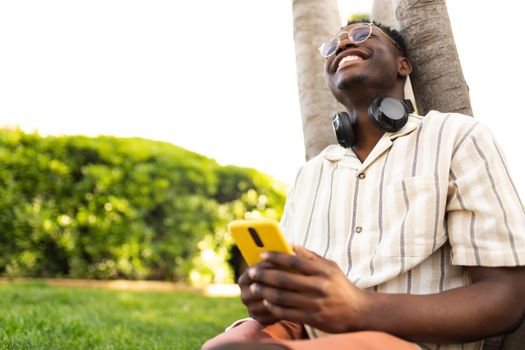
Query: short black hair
<point x="392" y="33"/>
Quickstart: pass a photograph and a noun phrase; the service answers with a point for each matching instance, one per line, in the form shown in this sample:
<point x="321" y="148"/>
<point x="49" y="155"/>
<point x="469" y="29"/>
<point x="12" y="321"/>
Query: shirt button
<point x="361" y="176"/>
<point x="358" y="229"/>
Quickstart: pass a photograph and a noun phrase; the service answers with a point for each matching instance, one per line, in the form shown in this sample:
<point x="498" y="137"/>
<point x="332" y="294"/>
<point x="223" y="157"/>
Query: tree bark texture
<point x="314" y="22"/>
<point x="437" y="77"/>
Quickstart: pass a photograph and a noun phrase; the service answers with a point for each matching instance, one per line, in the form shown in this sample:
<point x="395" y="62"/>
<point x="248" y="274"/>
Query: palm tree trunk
<point x="437" y="77"/>
<point x="314" y="21"/>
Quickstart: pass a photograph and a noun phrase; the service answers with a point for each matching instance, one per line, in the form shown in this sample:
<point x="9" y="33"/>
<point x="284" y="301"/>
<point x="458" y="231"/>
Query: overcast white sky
<point x="216" y="77"/>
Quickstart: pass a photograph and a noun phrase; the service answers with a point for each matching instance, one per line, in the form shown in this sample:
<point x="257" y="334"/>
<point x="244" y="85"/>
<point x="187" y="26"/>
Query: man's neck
<point x="366" y="133"/>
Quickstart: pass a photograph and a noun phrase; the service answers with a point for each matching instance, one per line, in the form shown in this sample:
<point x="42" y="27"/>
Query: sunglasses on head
<point x="357" y="34"/>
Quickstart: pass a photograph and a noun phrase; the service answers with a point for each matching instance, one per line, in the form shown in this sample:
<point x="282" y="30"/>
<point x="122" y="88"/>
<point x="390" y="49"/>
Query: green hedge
<point x="110" y="207"/>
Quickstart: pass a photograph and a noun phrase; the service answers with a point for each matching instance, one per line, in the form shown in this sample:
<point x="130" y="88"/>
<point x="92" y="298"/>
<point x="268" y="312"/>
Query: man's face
<point x="371" y="64"/>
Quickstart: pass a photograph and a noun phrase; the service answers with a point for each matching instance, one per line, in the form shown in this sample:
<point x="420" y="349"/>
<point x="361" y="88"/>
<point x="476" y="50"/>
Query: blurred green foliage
<point x="358" y="16"/>
<point x="107" y="207"/>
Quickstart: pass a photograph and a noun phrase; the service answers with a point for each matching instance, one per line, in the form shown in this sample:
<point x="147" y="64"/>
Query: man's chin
<point x="349" y="83"/>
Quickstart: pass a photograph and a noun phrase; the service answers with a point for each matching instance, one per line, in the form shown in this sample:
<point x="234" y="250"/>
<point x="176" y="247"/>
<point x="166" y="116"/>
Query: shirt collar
<point x="411" y="125"/>
<point x="336" y="152"/>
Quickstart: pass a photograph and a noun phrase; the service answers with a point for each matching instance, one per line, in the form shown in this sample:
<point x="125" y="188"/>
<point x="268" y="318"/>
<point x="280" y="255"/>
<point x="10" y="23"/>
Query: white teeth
<point x="349" y="58"/>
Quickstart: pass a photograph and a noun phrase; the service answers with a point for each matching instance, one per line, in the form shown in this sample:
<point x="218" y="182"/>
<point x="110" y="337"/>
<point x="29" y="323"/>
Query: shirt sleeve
<point x="485" y="216"/>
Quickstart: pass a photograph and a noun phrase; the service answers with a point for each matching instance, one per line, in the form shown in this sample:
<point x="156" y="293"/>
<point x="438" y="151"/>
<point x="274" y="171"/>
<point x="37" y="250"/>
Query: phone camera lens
<point x="255" y="237"/>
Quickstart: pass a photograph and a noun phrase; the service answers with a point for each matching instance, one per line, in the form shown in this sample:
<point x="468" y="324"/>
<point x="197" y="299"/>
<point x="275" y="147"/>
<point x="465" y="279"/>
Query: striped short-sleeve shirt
<point x="430" y="199"/>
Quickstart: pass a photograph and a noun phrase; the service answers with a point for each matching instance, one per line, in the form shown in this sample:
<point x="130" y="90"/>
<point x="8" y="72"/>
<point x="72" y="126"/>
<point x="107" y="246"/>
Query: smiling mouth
<point x="349" y="60"/>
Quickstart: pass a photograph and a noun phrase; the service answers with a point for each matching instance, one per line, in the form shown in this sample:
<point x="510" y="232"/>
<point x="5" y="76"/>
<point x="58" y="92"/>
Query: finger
<point x="283" y="280"/>
<point x="297" y="263"/>
<point x="245" y="279"/>
<point x="267" y="320"/>
<point x="289" y="314"/>
<point x="248" y="297"/>
<point x="282" y="297"/>
<point x="260" y="313"/>
<point x="258" y="309"/>
<point x="302" y="251"/>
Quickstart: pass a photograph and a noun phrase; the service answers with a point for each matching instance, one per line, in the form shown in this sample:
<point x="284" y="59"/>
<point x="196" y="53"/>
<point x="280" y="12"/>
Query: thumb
<point x="305" y="253"/>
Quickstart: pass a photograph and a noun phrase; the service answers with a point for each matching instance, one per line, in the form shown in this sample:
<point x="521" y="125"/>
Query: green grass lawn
<point x="39" y="316"/>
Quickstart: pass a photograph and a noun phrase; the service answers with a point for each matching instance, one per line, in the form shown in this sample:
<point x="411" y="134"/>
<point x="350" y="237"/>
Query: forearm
<point x="469" y="313"/>
<point x="319" y="294"/>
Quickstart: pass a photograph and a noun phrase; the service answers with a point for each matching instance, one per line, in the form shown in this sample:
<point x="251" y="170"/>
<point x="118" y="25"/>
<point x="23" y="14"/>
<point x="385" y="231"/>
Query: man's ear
<point x="404" y="67"/>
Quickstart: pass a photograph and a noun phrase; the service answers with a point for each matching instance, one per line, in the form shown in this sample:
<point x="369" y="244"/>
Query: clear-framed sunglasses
<point x="357" y="34"/>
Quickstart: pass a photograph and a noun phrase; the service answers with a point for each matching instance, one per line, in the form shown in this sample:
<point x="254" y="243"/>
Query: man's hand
<point x="253" y="302"/>
<point x="316" y="293"/>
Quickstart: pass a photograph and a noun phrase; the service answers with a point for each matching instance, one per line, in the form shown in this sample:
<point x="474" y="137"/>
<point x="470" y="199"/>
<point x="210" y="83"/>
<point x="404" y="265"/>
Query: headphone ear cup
<point x="344" y="129"/>
<point x="388" y="114"/>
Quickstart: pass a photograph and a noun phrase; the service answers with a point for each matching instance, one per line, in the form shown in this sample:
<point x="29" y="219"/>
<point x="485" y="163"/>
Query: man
<point x="418" y="234"/>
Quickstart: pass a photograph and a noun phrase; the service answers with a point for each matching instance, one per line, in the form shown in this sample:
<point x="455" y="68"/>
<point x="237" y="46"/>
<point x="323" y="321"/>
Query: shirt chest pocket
<point x="411" y="218"/>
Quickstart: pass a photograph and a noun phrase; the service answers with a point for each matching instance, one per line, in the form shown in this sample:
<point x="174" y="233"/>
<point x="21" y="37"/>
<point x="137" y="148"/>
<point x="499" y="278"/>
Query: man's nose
<point x="344" y="44"/>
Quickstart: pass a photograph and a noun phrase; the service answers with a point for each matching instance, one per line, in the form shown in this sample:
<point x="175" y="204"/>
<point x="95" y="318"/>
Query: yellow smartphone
<point x="256" y="236"/>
